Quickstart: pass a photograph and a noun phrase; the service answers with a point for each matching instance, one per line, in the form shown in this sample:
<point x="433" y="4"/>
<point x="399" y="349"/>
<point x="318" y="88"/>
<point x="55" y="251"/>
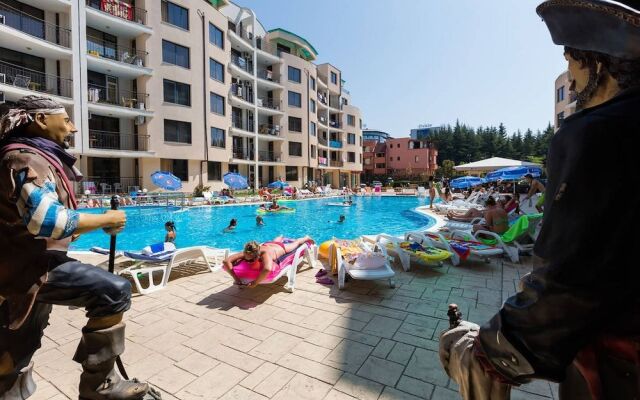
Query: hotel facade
<point x="198" y="88"/>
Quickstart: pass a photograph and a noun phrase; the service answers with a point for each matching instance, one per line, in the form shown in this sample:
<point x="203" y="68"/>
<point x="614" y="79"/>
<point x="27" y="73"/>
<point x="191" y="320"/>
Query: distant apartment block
<point x="197" y="88"/>
<point x="565" y="99"/>
<point x="398" y="157"/>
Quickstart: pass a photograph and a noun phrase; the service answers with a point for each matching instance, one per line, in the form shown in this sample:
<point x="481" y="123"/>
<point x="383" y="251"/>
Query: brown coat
<point x="24" y="261"/>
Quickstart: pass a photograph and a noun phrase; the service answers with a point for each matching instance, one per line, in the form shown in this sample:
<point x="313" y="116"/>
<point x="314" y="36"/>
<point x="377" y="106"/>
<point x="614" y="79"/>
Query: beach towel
<point x="520" y="226"/>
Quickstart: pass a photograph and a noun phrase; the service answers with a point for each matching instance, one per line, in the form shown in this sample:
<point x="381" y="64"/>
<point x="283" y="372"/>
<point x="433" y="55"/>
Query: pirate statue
<point x="576" y="319"/>
<point x="38" y="220"/>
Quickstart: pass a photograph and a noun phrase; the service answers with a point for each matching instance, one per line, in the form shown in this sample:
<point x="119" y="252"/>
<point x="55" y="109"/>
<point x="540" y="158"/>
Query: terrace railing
<point x="241" y="154"/>
<point x="120" y="9"/>
<point x="35" y="80"/>
<point x="117" y="141"/>
<point x="242" y="63"/>
<point x="267" y="75"/>
<point x="127" y="55"/>
<point x="116" y="96"/>
<point x="35" y="27"/>
<point x="264" y="155"/>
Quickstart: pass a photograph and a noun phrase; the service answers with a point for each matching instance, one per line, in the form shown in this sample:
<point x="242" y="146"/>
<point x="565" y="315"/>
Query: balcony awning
<point x="303" y="48"/>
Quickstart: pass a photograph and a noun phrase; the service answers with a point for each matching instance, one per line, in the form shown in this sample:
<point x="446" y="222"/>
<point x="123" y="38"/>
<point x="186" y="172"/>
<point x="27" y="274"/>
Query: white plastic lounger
<point x="358" y="270"/>
<point x="476" y="249"/>
<point x="166" y="261"/>
<point x="426" y="252"/>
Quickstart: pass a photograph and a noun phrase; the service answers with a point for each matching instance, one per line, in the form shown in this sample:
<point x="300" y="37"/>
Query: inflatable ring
<point x="280" y="211"/>
<point x="323" y="249"/>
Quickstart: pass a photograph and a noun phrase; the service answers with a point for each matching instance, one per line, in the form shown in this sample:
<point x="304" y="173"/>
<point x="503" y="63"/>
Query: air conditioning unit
<point x="2" y="21"/>
<point x="139" y="120"/>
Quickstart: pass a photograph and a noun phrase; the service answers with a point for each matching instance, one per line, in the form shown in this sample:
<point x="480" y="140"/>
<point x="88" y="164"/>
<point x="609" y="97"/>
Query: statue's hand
<point x="462" y="335"/>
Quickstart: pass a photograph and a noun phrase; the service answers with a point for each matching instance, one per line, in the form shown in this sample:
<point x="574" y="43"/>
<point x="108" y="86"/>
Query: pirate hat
<point x="605" y="26"/>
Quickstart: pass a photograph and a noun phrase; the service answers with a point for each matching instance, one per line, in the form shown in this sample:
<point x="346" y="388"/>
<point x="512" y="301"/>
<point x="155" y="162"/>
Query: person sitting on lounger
<point x="496" y="219"/>
<point x="232" y="225"/>
<point x="466" y="216"/>
<point x="263" y="257"/>
<point x="170" y="227"/>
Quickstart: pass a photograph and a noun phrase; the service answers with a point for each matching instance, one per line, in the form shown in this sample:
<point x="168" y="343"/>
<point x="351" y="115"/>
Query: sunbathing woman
<point x="262" y="258"/>
<point x="496" y="219"/>
<point x="467" y="216"/>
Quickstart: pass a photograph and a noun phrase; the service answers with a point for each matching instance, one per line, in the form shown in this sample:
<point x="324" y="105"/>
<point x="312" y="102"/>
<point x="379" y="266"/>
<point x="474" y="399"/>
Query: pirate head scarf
<point x="21" y="114"/>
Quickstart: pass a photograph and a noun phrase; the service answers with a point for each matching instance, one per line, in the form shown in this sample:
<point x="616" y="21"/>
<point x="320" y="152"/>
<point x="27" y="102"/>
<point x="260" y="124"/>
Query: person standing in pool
<point x="259" y="220"/>
<point x="170" y="227"/>
<point x="232" y="225"/>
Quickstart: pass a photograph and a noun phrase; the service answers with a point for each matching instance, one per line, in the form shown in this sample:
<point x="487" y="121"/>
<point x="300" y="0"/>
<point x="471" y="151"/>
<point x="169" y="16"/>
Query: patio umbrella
<point x="235" y="181"/>
<point x="466" y="182"/>
<point x="278" y="185"/>
<point x="166" y="180"/>
<point x="512" y="173"/>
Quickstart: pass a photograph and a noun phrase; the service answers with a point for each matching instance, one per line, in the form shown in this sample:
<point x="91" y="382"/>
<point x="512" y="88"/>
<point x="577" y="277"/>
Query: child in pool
<point x="232" y="225"/>
<point x="170" y="227"/>
<point x="259" y="221"/>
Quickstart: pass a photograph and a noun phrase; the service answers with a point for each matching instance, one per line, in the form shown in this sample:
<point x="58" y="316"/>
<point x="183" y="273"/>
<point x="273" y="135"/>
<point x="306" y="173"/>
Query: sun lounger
<point x="459" y="248"/>
<point x="359" y="261"/>
<point x="165" y="261"/>
<point x="422" y="250"/>
<point x="288" y="266"/>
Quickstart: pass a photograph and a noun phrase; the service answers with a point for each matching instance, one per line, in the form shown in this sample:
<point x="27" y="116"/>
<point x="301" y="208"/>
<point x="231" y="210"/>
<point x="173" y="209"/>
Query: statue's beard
<point x="585" y="95"/>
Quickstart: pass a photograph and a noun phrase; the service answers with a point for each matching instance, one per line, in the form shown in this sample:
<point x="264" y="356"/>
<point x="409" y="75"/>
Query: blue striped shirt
<point x="41" y="210"/>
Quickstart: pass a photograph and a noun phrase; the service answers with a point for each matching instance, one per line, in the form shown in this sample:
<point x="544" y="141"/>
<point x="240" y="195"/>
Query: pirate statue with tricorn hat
<point x="576" y="318"/>
<point x="38" y="220"/>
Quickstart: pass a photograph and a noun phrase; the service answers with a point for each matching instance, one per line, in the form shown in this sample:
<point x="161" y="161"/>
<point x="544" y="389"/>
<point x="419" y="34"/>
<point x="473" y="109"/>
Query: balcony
<point x="22" y="31"/>
<point x="271" y="131"/>
<point x="240" y="153"/>
<point x="242" y="93"/>
<point x="336" y="144"/>
<point x="109" y="184"/>
<point x="268" y="156"/>
<point x="266" y="79"/>
<point x="322" y="120"/>
<point x="269" y="106"/>
<point x="322" y="99"/>
<point x="322" y="141"/>
<point x="128" y="103"/>
<point x="323" y="162"/>
<point x="335" y="105"/>
<point x="335" y="124"/>
<point x="242" y="66"/>
<point x="17" y="81"/>
<point x="336" y="163"/>
<point x="117" y="18"/>
<point x="240" y="37"/>
<point x="112" y="59"/>
<point x="117" y="141"/>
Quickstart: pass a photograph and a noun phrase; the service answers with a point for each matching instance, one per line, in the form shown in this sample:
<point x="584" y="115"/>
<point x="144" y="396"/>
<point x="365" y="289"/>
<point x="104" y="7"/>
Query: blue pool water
<point x="204" y="225"/>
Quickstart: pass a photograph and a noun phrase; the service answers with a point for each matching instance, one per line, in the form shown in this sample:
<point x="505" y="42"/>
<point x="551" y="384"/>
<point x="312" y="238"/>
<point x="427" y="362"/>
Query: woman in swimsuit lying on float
<point x="260" y="258"/>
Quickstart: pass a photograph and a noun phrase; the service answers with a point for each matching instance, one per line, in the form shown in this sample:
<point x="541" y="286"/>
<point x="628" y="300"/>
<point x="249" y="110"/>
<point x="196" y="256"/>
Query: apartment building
<point x="397" y="157"/>
<point x="194" y="87"/>
<point x="565" y="99"/>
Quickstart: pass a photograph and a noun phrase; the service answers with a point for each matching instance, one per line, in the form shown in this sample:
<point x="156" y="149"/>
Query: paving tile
<point x="401" y="353"/>
<point x="358" y="387"/>
<point x="235" y="358"/>
<point x="415" y="387"/>
<point x="382" y="326"/>
<point x="310" y="351"/>
<point x="240" y="393"/>
<point x="349" y="323"/>
<point x="258" y="332"/>
<point x="318" y="320"/>
<point x="257" y="376"/>
<point x="383" y="348"/>
<point x="197" y="363"/>
<point x="277" y="345"/>
<point x="288" y="328"/>
<point x="441" y="393"/>
<point x="353" y="335"/>
<point x="348" y="356"/>
<point x="416" y="330"/>
<point x="393" y="394"/>
<point x="274" y="382"/>
<point x="213" y="384"/>
<point x="425" y="365"/>
<point x="304" y="388"/>
<point x="336" y="395"/>
<point x="383" y="371"/>
<point x="240" y="342"/>
<point x="320" y="371"/>
<point x="361" y="316"/>
<point x="324" y="340"/>
<point x="172" y="379"/>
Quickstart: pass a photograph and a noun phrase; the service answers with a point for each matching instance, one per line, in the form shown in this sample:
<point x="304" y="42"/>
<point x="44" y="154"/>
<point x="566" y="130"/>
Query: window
<point x="367" y="161"/>
<point x="313" y="151"/>
<point x="177" y="93"/>
<point x="295" y="99"/>
<point x="217" y="103"/>
<point x="312" y="105"/>
<point x="295" y="149"/>
<point x="312" y="83"/>
<point x="291" y="173"/>
<point x="560" y="94"/>
<point x="351" y="120"/>
<point x="294" y="74"/>
<point x="217" y="137"/>
<point x="214" y="171"/>
<point x="177" y="131"/>
<point x="334" y="78"/>
<point x="180" y="168"/>
<point x="312" y="128"/>
<point x="360" y="123"/>
<point x="175" y="54"/>
<point x="417" y="159"/>
<point x="295" y="124"/>
<point x="379" y="154"/>
<point x="379" y="165"/>
<point x="351" y="156"/>
<point x="216" y="36"/>
<point x="216" y="70"/>
<point x="398" y="158"/>
<point x="175" y="15"/>
<point x="560" y="118"/>
<point x="351" y="138"/>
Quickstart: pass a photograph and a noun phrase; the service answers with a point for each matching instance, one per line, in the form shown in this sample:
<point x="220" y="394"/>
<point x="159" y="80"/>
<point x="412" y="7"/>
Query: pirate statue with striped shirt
<point x="38" y="220"/>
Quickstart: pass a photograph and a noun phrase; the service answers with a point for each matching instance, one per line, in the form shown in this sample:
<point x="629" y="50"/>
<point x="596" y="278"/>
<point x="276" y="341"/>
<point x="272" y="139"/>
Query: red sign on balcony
<point x="117" y="8"/>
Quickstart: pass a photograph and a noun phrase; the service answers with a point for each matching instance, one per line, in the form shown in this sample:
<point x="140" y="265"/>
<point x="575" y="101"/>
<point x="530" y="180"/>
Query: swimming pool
<point x="204" y="225"/>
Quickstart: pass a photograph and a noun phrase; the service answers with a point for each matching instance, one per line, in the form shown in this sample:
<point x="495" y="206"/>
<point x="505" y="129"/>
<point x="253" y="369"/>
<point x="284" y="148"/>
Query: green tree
<point x="447" y="168"/>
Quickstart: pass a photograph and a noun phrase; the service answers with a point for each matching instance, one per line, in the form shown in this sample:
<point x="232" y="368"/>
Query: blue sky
<point x="408" y="62"/>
